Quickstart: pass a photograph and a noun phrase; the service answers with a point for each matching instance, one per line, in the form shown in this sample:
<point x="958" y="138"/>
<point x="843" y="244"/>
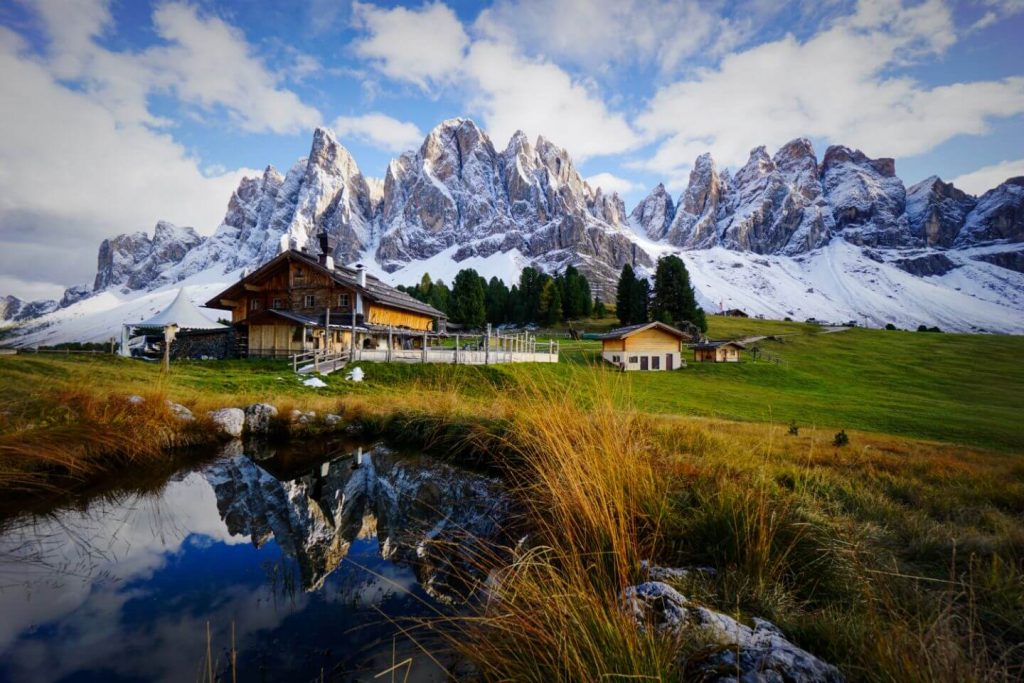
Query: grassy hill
<point x="894" y="558"/>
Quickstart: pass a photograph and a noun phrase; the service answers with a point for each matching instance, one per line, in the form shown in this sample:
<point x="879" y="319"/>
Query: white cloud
<point x="601" y="34"/>
<point x="612" y="183"/>
<point x="380" y="130"/>
<point x="836" y="85"/>
<point x="423" y="46"/>
<point x="538" y="97"/>
<point x="72" y="172"/>
<point x="205" y="63"/>
<point x="985" y="178"/>
<point x="428" y="47"/>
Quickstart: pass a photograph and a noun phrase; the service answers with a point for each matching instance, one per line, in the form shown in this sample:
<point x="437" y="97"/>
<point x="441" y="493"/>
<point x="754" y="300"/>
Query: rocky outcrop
<point x="867" y="200"/>
<point x="653" y="216"/>
<point x="10" y="306"/>
<point x="776" y="205"/>
<point x="459" y="192"/>
<point x="997" y="217"/>
<point x="1011" y="260"/>
<point x="936" y="211"/>
<point x="74" y="295"/>
<point x="738" y="652"/>
<point x="926" y="265"/>
<point x="695" y="224"/>
<point x="136" y="260"/>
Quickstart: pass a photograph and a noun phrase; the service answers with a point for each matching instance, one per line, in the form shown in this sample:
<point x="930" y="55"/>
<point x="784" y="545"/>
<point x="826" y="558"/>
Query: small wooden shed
<point x="717" y="352"/>
<point x="648" y="346"/>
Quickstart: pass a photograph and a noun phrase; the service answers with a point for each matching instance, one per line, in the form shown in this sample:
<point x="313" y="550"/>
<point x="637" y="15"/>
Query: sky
<point x="115" y="114"/>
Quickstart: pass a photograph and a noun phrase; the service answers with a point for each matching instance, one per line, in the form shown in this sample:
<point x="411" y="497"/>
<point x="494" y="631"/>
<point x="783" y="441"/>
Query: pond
<point x="311" y="562"/>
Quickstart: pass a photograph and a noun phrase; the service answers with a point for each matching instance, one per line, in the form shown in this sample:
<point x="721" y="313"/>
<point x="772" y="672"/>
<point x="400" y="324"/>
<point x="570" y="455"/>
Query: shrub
<point x="890" y="326"/>
<point x="794" y="430"/>
<point x="841" y="439"/>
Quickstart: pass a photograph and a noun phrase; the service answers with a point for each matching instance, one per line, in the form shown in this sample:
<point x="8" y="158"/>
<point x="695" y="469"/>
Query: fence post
<point x="456" y="349"/>
<point x="423" y="352"/>
<point x="487" y="346"/>
<point x="388" y="356"/>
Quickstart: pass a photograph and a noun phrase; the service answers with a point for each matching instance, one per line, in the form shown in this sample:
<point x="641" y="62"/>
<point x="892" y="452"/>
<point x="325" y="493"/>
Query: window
<point x="278" y="304"/>
<point x="254" y="304"/>
<point x="632" y="359"/>
<point x="310" y="301"/>
<point x="655" y="363"/>
<point x="615" y="359"/>
<point x="343" y="300"/>
<point x="299" y="275"/>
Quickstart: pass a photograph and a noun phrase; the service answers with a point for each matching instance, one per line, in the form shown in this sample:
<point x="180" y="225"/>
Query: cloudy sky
<point x="117" y="113"/>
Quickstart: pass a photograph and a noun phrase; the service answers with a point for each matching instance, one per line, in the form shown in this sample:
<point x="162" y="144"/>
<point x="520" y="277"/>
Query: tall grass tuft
<point x="79" y="434"/>
<point x="592" y="482"/>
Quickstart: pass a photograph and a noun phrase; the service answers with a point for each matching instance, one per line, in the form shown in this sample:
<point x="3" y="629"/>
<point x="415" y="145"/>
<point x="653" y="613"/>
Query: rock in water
<point x="229" y="421"/>
<point x="258" y="417"/>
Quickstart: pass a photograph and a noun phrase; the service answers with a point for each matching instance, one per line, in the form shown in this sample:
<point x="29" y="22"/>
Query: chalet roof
<point x="375" y="290"/>
<point x="717" y="344"/>
<point x="183" y="313"/>
<point x="623" y="332"/>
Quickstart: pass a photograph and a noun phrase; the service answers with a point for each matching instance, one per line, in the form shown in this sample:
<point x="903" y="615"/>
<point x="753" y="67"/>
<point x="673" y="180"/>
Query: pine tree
<point x="531" y="283"/>
<point x="674" y="301"/>
<point x="550" y="309"/>
<point x="467" y="303"/>
<point x="439" y="296"/>
<point x="599" y="310"/>
<point x="496" y="301"/>
<point x="639" y="302"/>
<point x="624" y="295"/>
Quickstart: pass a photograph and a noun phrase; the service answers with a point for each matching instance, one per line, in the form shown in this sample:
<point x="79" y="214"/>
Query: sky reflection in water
<point x="123" y="591"/>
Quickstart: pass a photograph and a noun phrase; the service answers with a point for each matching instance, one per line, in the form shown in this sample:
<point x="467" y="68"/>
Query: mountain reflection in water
<point x="310" y="563"/>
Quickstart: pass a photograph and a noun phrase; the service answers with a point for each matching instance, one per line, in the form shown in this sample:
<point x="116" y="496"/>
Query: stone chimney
<point x="327" y="244"/>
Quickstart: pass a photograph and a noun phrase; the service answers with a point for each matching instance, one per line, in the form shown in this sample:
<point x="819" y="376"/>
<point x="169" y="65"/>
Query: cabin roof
<point x="375" y="290"/>
<point x="623" y="332"/>
<point x="717" y="344"/>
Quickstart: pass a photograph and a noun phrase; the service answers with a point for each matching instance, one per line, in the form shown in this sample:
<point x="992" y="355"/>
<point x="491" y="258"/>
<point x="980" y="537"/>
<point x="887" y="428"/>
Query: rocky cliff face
<point x="777" y="204"/>
<point x="653" y="216"/>
<point x="790" y="204"/>
<point x="997" y="217"/>
<point x="458" y="194"/>
<point x="135" y="260"/>
<point x="936" y="211"/>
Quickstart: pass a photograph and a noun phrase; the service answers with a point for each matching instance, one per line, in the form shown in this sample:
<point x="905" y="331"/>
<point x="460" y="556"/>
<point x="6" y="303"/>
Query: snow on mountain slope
<point x="99" y="318"/>
<point x="783" y="236"/>
<point x="839" y="283"/>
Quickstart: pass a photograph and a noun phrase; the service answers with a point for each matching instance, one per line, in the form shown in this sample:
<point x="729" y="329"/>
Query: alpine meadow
<point x="512" y="341"/>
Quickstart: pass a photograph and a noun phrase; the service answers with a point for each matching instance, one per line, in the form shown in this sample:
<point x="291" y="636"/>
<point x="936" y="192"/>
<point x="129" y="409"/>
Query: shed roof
<point x="623" y="332"/>
<point x="183" y="313"/>
<point x="717" y="344"/>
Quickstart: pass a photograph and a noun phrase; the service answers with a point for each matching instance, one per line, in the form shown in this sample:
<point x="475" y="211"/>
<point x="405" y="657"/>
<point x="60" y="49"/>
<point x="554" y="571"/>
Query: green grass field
<point x="946" y="387"/>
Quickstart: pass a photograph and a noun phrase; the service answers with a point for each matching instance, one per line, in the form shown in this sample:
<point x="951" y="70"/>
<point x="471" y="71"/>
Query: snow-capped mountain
<point x="459" y="202"/>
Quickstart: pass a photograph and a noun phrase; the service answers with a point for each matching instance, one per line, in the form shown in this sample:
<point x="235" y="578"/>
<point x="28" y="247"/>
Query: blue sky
<point x="119" y="113"/>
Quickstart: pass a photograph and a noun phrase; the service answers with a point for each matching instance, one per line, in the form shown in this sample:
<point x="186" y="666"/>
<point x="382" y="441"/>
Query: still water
<point x="316" y="564"/>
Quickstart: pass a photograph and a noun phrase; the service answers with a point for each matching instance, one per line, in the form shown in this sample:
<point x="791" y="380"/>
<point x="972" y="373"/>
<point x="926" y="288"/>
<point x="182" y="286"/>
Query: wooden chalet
<point x="297" y="303"/>
<point x="717" y="352"/>
<point x="648" y="346"/>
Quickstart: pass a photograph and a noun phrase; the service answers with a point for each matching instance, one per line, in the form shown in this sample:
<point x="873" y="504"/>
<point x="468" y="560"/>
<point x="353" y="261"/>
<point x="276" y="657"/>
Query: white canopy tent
<point x="182" y="313"/>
